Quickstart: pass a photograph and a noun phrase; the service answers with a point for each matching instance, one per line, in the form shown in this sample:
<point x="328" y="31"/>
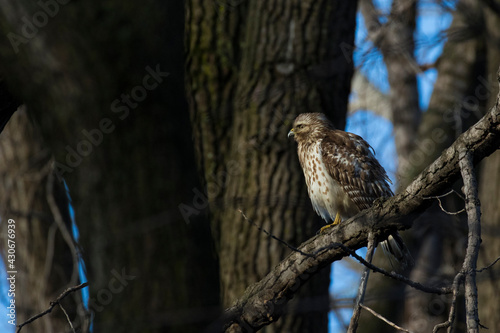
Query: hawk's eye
<point x="300" y="126"/>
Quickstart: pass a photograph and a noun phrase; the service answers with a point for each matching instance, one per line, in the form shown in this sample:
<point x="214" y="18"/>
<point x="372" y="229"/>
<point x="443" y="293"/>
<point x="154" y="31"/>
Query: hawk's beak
<point x="291" y="133"/>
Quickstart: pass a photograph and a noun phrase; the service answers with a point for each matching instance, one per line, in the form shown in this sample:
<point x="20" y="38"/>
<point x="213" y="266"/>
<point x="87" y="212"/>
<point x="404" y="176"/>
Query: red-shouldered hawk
<point x="343" y="176"/>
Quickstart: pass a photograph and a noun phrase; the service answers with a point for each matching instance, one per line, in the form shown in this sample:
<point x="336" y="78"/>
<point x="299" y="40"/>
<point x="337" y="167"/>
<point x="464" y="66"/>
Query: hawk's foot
<point x="337" y="220"/>
<point x="326" y="227"/>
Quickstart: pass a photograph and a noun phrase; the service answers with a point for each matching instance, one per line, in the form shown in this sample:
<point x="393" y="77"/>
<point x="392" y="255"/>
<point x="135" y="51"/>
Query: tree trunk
<point x="395" y="41"/>
<point x="252" y="67"/>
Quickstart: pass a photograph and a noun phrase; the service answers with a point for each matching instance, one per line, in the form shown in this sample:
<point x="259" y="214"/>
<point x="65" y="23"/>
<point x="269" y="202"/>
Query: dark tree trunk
<point x="252" y="67"/>
<point x="127" y="158"/>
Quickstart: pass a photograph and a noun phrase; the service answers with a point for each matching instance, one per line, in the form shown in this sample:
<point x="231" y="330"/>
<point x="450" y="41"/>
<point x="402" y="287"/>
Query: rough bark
<point x="253" y="66"/>
<point x="262" y="302"/>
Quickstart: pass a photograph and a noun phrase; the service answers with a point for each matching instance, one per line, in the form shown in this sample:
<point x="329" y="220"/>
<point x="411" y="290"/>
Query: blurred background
<point x="136" y="131"/>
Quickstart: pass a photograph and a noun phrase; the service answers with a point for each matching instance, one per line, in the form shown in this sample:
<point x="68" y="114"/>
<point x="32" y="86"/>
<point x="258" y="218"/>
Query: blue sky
<point x="432" y="20"/>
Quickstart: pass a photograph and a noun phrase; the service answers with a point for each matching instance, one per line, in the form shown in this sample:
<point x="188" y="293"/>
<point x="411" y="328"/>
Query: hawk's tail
<point x="397" y="252"/>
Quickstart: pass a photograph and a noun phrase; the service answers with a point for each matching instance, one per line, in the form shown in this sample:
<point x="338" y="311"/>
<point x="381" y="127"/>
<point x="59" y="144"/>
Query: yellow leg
<point x="337" y="220"/>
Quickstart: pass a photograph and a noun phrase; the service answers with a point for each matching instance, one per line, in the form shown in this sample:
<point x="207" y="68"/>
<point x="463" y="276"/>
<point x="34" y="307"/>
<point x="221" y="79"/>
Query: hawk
<point x="343" y="176"/>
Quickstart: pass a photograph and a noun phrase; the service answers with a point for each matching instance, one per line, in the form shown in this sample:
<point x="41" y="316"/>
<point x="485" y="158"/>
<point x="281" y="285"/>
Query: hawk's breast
<point x="326" y="194"/>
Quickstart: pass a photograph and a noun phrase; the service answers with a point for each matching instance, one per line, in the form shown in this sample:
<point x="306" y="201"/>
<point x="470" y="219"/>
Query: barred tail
<point x="397" y="252"/>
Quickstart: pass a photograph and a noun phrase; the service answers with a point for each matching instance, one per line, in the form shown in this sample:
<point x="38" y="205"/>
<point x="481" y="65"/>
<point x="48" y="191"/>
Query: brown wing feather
<point x="350" y="161"/>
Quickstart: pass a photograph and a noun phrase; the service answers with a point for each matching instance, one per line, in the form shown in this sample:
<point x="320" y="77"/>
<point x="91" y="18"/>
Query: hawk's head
<point x="309" y="125"/>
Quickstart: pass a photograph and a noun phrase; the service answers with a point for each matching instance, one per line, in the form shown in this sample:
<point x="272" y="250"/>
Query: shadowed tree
<point x="252" y="67"/>
<point x="103" y="83"/>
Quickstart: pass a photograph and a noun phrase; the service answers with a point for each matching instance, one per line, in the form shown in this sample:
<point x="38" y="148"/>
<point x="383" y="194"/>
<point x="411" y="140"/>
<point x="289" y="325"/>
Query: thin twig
<point x="362" y="286"/>
<point x="67" y="318"/>
<point x="489" y="266"/>
<point x="438" y="197"/>
<point x="63" y="228"/>
<point x="379" y="316"/>
<point x="293" y="248"/>
<point x="457" y="281"/>
<point x="395" y="276"/>
<point x="473" y="207"/>
<point x="440" y="326"/>
<point x="52" y="304"/>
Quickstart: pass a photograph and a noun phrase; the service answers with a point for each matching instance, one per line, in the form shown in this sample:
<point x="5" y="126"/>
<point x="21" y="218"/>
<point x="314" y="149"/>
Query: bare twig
<point x="362" y="286"/>
<point x="67" y="318"/>
<point x="379" y="316"/>
<point x="395" y="276"/>
<point x="438" y="197"/>
<point x="473" y="207"/>
<point x="63" y="228"/>
<point x="489" y="266"/>
<point x="451" y="316"/>
<point x="456" y="287"/>
<point x="293" y="248"/>
<point x="52" y="304"/>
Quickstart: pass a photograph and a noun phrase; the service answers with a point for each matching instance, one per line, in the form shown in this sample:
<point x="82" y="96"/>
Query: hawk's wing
<point x="349" y="160"/>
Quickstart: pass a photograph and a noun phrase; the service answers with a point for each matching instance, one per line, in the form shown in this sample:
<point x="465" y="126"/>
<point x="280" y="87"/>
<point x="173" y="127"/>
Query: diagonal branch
<point x="264" y="301"/>
<point x="387" y="321"/>
<point x="396" y="276"/>
<point x="52" y="305"/>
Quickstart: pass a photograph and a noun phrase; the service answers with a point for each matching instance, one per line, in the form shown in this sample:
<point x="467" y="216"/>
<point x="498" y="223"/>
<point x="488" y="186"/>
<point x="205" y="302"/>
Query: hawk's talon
<point x="337" y="220"/>
<point x="326" y="227"/>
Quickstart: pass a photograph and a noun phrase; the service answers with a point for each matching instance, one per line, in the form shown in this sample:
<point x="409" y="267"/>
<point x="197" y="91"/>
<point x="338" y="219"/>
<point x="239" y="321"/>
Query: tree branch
<point x="362" y="286"/>
<point x="264" y="301"/>
<point x="489" y="266"/>
<point x="451" y="316"/>
<point x="396" y="276"/>
<point x="473" y="208"/>
<point x="387" y="321"/>
<point x="52" y="305"/>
